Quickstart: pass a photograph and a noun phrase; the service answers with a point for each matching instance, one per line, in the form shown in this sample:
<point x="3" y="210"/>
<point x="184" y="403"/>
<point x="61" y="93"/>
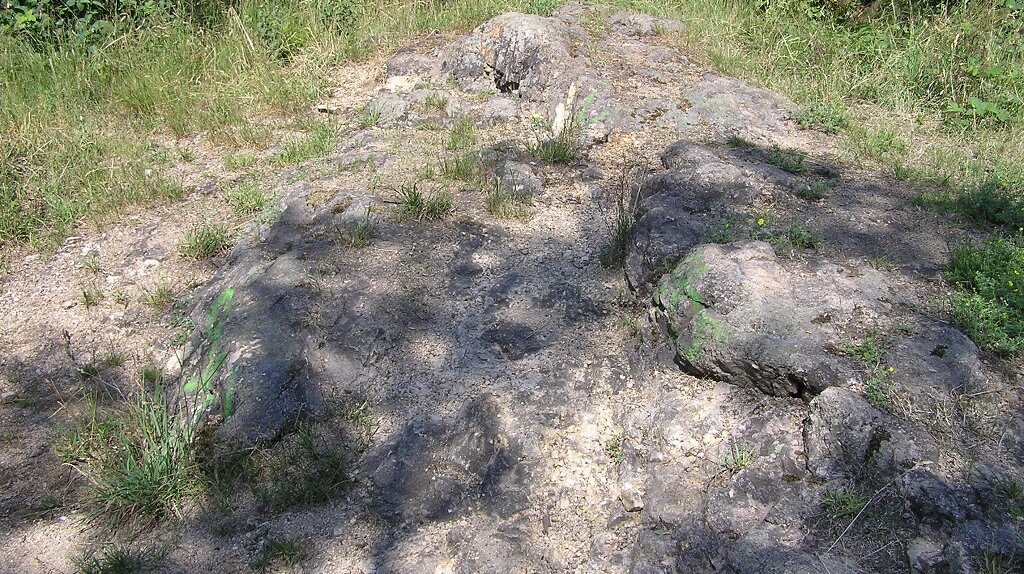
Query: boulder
<point x="518" y="179"/>
<point x="514" y="53"/>
<point x="739" y="314"/>
<point x="844" y="436"/>
<point x="730" y="106"/>
<point x="435" y="470"/>
<point x="642" y="25"/>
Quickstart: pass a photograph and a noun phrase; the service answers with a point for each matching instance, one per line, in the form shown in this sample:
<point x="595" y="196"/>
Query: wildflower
<point x="760" y="221"/>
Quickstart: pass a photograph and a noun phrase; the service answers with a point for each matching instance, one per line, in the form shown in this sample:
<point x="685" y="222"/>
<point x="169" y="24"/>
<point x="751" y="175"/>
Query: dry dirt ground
<point x="516" y="389"/>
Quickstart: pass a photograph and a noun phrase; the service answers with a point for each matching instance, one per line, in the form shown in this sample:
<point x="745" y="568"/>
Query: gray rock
<point x="513" y="341"/>
<point x="975" y="543"/>
<point x="844" y="436"/>
<point x="518" y="179"/>
<point x="732" y="107"/>
<point x="925" y="556"/>
<point x="631" y="498"/>
<point x="499" y="110"/>
<point x="766" y="551"/>
<point x="391" y="107"/>
<point x="933" y="362"/>
<point x="931" y="499"/>
<point x="438" y="471"/>
<point x="410" y="63"/>
<point x="736" y="313"/>
<point x="641" y="25"/>
<point x="513" y="53"/>
<point x="674" y="211"/>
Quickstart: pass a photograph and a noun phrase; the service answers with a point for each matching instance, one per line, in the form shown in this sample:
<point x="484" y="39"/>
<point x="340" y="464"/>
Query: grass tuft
<point x="505" y="203"/>
<point x="205" y="242"/>
<point x="247" y="199"/>
<point x="413" y="203"/>
<point x="320" y="141"/>
<point x="989" y="302"/>
<point x="279" y="552"/>
<point x="120" y="560"/>
<point x="787" y="160"/>
<point x="822" y="117"/>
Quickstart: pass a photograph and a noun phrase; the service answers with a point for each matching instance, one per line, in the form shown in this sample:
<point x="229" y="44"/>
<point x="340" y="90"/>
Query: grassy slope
<point x="81" y="119"/>
<point x="80" y="123"/>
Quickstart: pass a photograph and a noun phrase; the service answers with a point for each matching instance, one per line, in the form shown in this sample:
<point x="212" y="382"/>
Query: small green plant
<point x="139" y="457"/>
<point x="370" y="116"/>
<point x="151" y="375"/>
<point x="869" y="350"/>
<point x="816" y="191"/>
<point x="112" y="359"/>
<point x="508" y="202"/>
<point x="239" y="160"/>
<point x="279" y="552"/>
<point x="740" y="456"/>
<point x="361" y="234"/>
<point x="844" y="503"/>
<point x="878" y="144"/>
<point x="319" y="141"/>
<point x="976" y="111"/>
<point x="92" y="265"/>
<point x="459" y="166"/>
<point x="247" y="199"/>
<point x="614" y="252"/>
<point x="991" y="202"/>
<point x="877" y="389"/>
<point x="563" y="144"/>
<point x="120" y="560"/>
<point x="802" y="237"/>
<point x="614" y="449"/>
<point x="436" y="100"/>
<point x="462" y="136"/>
<point x="91" y="296"/>
<point x="999" y="564"/>
<point x="989" y="302"/>
<point x="739" y="142"/>
<point x="413" y="203"/>
<point x="309" y="467"/>
<point x="160" y="297"/>
<point x="787" y="160"/>
<point x="204" y="242"/>
<point x="822" y="117"/>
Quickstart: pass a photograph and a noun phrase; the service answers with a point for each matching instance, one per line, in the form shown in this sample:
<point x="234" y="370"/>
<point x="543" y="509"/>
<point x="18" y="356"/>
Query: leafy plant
<point x="802" y="237"/>
<point x="822" y="117"/>
<point x="614" y="449"/>
<point x="816" y="191"/>
<point x="787" y="160"/>
<point x="989" y="303"/>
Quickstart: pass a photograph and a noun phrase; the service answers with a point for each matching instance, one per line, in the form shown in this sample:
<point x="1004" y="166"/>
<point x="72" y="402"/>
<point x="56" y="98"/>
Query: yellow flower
<point x="760" y="221"/>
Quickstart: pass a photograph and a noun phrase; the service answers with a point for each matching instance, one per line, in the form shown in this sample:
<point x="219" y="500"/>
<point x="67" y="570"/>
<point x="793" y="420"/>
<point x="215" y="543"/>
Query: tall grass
<point x="81" y="120"/>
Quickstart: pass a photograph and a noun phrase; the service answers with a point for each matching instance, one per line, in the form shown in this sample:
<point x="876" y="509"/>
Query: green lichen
<point x="705" y="329"/>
